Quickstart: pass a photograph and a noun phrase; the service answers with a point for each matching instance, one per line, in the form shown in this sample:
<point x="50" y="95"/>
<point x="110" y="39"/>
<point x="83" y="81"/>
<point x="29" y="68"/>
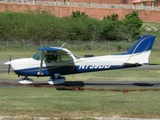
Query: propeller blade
<point x="10" y="58"/>
<point x="9" y="66"/>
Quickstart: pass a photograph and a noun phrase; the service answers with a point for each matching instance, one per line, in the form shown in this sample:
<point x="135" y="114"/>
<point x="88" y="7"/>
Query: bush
<point x="41" y="25"/>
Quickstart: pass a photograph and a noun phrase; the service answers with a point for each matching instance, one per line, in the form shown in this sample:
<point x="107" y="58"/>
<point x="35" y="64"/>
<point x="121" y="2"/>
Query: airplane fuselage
<point x="31" y="67"/>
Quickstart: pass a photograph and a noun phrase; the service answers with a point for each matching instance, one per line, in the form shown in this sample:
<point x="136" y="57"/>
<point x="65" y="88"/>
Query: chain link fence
<point x="28" y="45"/>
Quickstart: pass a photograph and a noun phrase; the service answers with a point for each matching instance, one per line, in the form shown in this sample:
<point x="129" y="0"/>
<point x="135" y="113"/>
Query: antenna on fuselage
<point x="63" y="45"/>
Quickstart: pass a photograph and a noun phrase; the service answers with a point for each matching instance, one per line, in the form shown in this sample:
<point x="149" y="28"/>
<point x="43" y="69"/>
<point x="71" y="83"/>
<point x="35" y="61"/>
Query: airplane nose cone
<point x="7" y="63"/>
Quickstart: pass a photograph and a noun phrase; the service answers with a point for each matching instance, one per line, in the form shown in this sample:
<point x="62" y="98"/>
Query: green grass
<point x="155" y="57"/>
<point x="48" y="102"/>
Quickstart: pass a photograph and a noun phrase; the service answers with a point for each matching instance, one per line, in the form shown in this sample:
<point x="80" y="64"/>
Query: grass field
<point x="48" y="102"/>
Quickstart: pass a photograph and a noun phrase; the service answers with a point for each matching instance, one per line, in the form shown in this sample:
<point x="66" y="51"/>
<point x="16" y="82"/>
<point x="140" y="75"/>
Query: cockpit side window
<point x="51" y="57"/>
<point x="66" y="58"/>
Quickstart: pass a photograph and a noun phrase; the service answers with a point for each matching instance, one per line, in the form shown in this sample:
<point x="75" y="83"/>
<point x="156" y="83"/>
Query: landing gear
<point x="25" y="80"/>
<point x="56" y="79"/>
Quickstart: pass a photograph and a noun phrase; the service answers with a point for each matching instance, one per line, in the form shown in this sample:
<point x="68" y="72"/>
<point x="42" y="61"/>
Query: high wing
<point x="55" y="50"/>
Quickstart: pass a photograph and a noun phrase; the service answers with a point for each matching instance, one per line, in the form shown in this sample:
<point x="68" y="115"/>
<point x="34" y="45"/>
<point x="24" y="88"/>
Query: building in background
<point x="144" y="3"/>
<point x="127" y="2"/>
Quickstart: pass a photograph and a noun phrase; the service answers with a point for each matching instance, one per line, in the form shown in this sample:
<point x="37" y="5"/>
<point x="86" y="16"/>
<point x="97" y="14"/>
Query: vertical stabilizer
<point x="140" y="51"/>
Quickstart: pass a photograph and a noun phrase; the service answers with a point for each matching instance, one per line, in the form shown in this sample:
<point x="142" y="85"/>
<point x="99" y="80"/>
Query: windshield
<point x="76" y="56"/>
<point x="37" y="56"/>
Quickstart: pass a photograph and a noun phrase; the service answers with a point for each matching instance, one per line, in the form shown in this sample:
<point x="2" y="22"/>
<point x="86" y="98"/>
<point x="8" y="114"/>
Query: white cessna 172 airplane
<point x="57" y="61"/>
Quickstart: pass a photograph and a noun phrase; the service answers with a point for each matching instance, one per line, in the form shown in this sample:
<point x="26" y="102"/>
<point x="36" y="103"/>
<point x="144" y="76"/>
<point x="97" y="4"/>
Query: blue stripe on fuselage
<point x="50" y="71"/>
<point x="46" y="71"/>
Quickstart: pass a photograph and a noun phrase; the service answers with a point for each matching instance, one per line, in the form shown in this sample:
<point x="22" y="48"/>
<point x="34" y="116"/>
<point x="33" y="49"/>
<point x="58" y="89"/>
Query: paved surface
<point x="82" y="85"/>
<point x="96" y="118"/>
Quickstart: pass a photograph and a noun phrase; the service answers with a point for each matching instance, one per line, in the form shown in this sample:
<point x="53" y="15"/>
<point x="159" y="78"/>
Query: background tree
<point x="126" y="29"/>
<point x="41" y="25"/>
<point x="111" y="24"/>
<point x="132" y="25"/>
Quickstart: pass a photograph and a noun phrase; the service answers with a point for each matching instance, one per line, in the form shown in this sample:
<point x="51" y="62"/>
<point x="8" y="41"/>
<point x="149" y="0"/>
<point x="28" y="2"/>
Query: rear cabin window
<point x="65" y="58"/>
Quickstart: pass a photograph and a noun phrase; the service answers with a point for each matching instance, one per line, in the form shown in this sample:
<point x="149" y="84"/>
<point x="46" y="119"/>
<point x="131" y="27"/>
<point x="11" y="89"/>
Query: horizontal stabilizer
<point x="132" y="65"/>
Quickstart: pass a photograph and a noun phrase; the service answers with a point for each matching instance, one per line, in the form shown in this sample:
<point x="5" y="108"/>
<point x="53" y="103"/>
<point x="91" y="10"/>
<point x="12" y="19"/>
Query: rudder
<point x="139" y="53"/>
<point x="145" y="43"/>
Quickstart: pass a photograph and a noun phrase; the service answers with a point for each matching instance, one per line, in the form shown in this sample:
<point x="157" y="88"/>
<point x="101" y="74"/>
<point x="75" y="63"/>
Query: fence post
<point x="158" y="45"/>
<point x="24" y="45"/>
<point x="75" y="44"/>
<point x="108" y="45"/>
<point x="7" y="45"/>
<point x="40" y="43"/>
<point x="91" y="44"/>
<point x="58" y="43"/>
<point x="125" y="45"/>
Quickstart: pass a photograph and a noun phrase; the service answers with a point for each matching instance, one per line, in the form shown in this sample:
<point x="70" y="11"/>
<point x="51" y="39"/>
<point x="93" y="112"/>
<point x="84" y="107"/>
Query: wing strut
<point x="63" y="45"/>
<point x="40" y="69"/>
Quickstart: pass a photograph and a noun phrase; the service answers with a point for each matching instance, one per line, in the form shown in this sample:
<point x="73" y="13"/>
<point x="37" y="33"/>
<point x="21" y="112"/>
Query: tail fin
<point x="139" y="53"/>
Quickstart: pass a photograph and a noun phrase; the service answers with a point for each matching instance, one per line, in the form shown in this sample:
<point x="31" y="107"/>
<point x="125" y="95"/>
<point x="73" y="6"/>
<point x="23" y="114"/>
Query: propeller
<point x="9" y="65"/>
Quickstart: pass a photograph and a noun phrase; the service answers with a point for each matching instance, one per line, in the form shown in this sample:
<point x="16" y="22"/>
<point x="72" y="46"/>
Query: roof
<point x="148" y="0"/>
<point x="137" y="1"/>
